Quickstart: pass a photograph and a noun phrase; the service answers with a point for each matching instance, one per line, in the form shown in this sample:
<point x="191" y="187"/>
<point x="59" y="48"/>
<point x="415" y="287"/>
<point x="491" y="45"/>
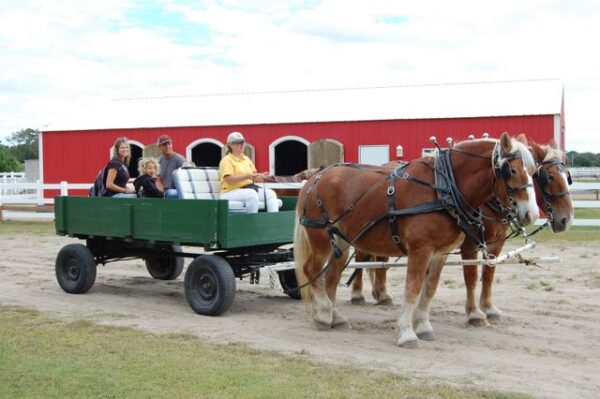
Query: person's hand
<point x="260" y="177"/>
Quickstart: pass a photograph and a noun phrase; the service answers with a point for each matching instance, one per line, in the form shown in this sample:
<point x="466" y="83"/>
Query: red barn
<point x="290" y="131"/>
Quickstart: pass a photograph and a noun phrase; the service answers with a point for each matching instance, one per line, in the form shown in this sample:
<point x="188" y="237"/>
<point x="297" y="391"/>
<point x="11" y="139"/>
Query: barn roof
<point x="459" y="100"/>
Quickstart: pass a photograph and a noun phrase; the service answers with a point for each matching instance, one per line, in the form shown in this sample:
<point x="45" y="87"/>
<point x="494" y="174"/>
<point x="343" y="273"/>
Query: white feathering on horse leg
<point x="406" y="336"/>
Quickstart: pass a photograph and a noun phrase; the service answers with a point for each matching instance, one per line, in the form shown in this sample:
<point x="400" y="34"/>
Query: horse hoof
<point x="358" y="301"/>
<point x="413" y="344"/>
<point x="479" y="322"/>
<point x="322" y="326"/>
<point x="426" y="336"/>
<point x="342" y="325"/>
<point x="494" y="318"/>
<point x="388" y="301"/>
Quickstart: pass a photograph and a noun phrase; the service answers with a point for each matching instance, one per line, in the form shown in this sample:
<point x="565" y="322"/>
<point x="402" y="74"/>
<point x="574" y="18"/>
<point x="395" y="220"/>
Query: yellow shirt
<point x="232" y="166"/>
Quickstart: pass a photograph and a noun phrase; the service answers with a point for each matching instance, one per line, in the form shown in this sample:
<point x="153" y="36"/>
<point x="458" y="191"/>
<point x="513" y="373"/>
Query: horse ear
<point x="522" y="138"/>
<point x="553" y="144"/>
<point x="538" y="152"/>
<point x="505" y="143"/>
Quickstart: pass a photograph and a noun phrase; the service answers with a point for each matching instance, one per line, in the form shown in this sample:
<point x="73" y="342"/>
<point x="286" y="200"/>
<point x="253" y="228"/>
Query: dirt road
<point x="547" y="344"/>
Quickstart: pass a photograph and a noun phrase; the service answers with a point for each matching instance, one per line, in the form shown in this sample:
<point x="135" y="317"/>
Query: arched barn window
<point x="136" y="155"/>
<point x="204" y="152"/>
<point x="288" y="156"/>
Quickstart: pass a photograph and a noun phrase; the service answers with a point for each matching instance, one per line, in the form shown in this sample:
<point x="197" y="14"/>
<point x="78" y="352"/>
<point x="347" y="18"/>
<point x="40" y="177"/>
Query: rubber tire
<point x="75" y="268"/>
<point x="289" y="283"/>
<point x="165" y="267"/>
<point x="209" y="285"/>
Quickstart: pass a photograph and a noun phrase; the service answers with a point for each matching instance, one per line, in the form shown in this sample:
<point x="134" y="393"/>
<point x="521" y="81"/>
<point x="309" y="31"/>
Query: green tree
<point x="24" y="144"/>
<point x="8" y="163"/>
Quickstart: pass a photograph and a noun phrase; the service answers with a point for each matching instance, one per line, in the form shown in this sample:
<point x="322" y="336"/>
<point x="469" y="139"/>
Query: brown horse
<point x="551" y="184"/>
<point x="429" y="207"/>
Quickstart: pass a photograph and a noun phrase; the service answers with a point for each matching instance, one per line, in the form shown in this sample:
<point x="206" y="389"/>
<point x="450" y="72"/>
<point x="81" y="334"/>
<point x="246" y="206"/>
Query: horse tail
<point x="302" y="253"/>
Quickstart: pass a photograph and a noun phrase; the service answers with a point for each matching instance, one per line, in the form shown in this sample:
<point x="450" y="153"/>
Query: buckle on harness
<point x="391" y="189"/>
<point x="396" y="239"/>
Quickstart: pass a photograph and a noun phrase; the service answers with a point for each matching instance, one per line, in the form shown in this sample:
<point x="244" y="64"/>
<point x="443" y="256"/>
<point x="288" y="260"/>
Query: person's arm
<point x="231" y="179"/>
<point x="110" y="183"/>
<point x="260" y="177"/>
<point x="159" y="184"/>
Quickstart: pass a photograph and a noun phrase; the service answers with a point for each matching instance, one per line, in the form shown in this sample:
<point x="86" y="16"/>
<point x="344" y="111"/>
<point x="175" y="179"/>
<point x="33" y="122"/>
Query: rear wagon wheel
<point x="209" y="285"/>
<point x="75" y="268"/>
<point x="165" y="266"/>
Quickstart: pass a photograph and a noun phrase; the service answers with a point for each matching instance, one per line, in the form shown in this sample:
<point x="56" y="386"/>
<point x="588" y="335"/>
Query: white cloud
<point x="59" y="54"/>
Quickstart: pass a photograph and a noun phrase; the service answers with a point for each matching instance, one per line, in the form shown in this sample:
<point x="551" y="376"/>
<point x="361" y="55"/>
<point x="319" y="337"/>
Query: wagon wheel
<point x="209" y="285"/>
<point x="167" y="266"/>
<point x="289" y="283"/>
<point x="75" y="268"/>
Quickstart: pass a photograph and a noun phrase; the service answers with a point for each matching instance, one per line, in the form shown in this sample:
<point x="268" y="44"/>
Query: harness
<point x="449" y="199"/>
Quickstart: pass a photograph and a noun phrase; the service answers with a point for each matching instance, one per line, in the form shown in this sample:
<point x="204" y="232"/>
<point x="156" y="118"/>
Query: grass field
<point x="44" y="357"/>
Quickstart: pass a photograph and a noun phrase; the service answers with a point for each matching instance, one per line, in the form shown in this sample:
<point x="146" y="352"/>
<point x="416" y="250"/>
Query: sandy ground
<point x="547" y="344"/>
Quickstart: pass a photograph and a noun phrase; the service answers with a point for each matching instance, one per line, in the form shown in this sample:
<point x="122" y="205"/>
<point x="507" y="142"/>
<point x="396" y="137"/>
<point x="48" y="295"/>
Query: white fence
<point x="33" y="193"/>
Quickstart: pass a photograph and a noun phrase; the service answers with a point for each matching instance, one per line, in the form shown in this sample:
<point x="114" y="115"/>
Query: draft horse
<point x="551" y="183"/>
<point x="422" y="210"/>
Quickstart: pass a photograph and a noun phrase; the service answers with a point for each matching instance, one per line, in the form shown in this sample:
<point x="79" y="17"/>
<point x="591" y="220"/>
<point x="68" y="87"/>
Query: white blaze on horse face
<point x="528" y="211"/>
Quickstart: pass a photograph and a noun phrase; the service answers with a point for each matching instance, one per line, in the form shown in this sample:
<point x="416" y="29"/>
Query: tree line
<point x="19" y="146"/>
<point x="23" y="145"/>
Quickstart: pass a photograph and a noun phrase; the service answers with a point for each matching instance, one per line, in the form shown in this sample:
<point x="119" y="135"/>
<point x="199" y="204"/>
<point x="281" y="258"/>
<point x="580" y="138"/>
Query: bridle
<point x="544" y="178"/>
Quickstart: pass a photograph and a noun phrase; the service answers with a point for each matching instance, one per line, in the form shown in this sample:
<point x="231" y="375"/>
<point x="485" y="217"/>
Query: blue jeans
<point x="123" y="195"/>
<point x="171" y="193"/>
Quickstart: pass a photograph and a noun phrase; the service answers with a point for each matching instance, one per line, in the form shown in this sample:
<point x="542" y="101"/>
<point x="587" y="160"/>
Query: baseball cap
<point x="234" y="137"/>
<point x="164" y="139"/>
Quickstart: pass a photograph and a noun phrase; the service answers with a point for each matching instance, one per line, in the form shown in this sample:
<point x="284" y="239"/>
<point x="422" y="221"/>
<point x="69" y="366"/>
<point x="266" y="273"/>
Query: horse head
<point x="514" y="167"/>
<point x="551" y="182"/>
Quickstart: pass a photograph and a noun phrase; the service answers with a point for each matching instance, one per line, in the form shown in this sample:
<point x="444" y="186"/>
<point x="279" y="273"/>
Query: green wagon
<point x="234" y="244"/>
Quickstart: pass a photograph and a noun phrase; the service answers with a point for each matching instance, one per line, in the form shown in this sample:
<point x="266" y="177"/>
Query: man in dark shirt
<point x="169" y="161"/>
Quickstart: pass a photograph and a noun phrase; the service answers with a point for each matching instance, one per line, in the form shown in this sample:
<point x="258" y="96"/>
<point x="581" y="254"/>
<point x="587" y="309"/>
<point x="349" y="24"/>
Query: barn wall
<point x="77" y="156"/>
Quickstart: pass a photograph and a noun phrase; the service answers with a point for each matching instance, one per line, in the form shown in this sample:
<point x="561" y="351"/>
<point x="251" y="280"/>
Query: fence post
<point x="64" y="190"/>
<point x="40" y="192"/>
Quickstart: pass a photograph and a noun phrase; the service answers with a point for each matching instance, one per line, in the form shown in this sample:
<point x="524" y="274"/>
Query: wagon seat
<point x="204" y="183"/>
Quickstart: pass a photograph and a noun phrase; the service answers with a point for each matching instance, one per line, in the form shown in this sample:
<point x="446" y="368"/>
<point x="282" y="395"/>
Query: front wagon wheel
<point x="75" y="268"/>
<point x="209" y="285"/>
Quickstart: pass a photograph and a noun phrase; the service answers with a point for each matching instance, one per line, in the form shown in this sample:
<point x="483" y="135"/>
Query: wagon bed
<point x="235" y="244"/>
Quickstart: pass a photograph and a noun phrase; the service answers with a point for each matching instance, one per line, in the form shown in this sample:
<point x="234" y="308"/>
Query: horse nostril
<point x="563" y="222"/>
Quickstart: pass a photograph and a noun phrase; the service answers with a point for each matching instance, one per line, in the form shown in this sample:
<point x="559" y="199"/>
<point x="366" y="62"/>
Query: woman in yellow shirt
<point x="239" y="175"/>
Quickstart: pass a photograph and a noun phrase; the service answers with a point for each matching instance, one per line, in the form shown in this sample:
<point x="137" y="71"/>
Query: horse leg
<point x="379" y="282"/>
<point x="475" y="316"/>
<point x="310" y="250"/>
<point x="487" y="279"/>
<point x="332" y="280"/>
<point x="356" y="295"/>
<point x="421" y="321"/>
<point x="418" y="259"/>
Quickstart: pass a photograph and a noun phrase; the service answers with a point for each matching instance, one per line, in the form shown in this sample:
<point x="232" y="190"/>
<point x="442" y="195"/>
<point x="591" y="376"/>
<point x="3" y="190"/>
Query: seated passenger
<point x="238" y="176"/>
<point x="168" y="162"/>
<point x="145" y="184"/>
<point x="117" y="174"/>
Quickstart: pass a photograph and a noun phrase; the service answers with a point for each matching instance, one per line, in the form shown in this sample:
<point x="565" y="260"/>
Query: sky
<point x="57" y="56"/>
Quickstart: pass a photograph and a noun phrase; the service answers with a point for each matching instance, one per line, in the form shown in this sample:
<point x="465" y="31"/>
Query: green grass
<point x="575" y="234"/>
<point x="33" y="228"/>
<point x="43" y="357"/>
<point x="587" y="213"/>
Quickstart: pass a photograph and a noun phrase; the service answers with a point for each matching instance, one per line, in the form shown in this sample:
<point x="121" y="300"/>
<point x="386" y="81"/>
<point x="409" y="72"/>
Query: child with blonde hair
<point x="145" y="185"/>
